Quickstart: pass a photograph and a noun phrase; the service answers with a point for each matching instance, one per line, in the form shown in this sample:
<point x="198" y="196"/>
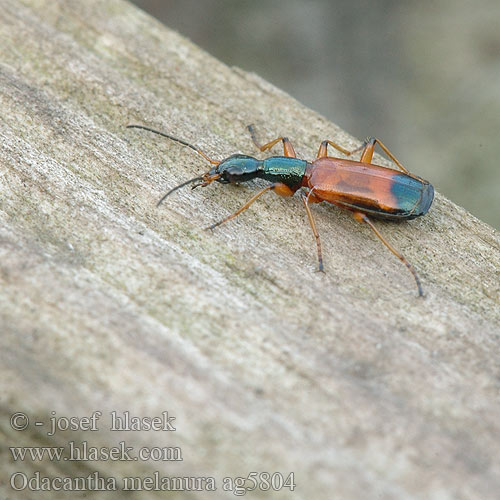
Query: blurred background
<point x="423" y="76"/>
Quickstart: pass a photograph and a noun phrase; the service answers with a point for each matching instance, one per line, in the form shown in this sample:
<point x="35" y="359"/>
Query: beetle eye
<point x="232" y="173"/>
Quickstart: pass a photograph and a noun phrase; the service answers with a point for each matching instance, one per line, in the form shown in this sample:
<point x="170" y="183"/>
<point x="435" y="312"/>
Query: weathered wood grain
<point x="107" y="303"/>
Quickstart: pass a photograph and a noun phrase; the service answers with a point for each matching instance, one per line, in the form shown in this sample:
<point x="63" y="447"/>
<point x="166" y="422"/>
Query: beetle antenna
<point x="164" y="135"/>
<point x="180" y="141"/>
<point x="180" y="186"/>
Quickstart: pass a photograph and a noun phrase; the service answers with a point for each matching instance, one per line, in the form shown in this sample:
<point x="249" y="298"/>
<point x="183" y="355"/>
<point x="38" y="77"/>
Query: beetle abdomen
<point x="378" y="191"/>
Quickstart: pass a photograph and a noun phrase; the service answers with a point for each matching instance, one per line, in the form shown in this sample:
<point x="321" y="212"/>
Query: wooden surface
<point x="108" y="303"/>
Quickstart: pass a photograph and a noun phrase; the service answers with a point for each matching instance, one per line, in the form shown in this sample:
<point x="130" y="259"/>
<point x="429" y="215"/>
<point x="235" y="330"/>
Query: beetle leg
<point x="367" y="149"/>
<point x="360" y="217"/>
<point x="287" y="145"/>
<point x="277" y="187"/>
<point x="323" y="149"/>
<point x="369" y="146"/>
<point x="310" y="198"/>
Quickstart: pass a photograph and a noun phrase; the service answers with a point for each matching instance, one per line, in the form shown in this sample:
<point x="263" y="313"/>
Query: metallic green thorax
<point x="289" y="171"/>
<point x="242" y="168"/>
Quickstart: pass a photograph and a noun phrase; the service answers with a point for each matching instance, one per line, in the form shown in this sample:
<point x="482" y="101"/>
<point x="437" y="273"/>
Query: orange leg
<point x="323" y="149"/>
<point x="367" y="149"/>
<point x="277" y="187"/>
<point x="367" y="154"/>
<point x="360" y="217"/>
<point x="287" y="145"/>
<point x="310" y="198"/>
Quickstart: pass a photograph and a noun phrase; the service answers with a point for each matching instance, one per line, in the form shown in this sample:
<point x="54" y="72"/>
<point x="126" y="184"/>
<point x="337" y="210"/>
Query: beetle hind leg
<point x="367" y="149"/>
<point x="360" y="217"/>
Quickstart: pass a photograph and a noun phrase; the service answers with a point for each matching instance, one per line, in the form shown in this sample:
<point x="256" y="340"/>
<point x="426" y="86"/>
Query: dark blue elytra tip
<point x="414" y="196"/>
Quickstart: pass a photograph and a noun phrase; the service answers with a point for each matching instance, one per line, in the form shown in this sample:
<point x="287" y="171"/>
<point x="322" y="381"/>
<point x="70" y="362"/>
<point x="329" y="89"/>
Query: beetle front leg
<point x="287" y="145"/>
<point x="277" y="187"/>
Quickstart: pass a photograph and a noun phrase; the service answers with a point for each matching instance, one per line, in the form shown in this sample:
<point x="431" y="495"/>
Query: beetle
<point x="365" y="189"/>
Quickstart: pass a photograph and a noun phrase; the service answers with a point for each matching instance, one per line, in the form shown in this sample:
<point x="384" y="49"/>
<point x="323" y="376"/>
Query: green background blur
<point x="423" y="76"/>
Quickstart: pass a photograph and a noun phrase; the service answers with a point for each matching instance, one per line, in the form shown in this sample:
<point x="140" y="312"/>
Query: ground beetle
<point x="359" y="186"/>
